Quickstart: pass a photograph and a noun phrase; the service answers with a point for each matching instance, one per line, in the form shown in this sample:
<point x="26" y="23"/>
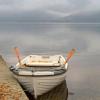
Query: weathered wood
<point x="58" y="93"/>
<point x="9" y="87"/>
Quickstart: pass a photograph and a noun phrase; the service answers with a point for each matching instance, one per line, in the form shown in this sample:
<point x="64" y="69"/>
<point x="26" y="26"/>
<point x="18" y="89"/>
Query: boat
<point x="39" y="74"/>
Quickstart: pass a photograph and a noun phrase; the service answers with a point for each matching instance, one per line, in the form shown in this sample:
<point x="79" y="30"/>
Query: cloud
<point x="7" y="2"/>
<point x="58" y="8"/>
<point x="49" y="10"/>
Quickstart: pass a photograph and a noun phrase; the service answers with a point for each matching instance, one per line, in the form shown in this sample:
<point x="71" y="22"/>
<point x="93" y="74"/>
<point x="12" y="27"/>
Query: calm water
<point x="83" y="77"/>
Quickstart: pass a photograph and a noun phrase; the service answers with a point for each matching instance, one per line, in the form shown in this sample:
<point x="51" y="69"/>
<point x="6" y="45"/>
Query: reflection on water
<point x="83" y="77"/>
<point x="60" y="92"/>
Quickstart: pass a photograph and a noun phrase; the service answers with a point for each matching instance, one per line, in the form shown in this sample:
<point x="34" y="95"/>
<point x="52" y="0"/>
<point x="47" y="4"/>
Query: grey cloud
<point x="16" y="10"/>
<point x="69" y="6"/>
<point x="6" y="2"/>
<point x="39" y="10"/>
<point x="79" y="3"/>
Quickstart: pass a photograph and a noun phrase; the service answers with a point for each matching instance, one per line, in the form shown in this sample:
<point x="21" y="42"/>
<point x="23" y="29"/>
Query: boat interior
<point x="42" y="61"/>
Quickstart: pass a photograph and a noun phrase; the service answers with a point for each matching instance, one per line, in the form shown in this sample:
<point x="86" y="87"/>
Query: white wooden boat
<point x="40" y="73"/>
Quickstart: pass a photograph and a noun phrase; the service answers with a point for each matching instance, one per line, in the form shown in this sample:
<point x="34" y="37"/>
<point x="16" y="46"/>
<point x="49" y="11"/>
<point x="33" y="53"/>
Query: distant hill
<point x="45" y="16"/>
<point x="30" y="16"/>
<point x="93" y="17"/>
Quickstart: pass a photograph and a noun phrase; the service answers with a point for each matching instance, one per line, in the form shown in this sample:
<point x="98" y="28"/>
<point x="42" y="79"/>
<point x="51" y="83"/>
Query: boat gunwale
<point x="55" y="74"/>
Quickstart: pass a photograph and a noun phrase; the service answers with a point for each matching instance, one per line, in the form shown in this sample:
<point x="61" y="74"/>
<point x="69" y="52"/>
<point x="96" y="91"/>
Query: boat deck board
<point x="9" y="87"/>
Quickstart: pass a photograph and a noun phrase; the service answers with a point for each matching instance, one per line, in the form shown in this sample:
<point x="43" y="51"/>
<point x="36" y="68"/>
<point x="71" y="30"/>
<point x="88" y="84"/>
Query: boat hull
<point x="40" y="73"/>
<point x="38" y="85"/>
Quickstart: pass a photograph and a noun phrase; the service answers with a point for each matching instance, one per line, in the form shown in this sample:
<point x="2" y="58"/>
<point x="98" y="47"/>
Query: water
<point x="83" y="75"/>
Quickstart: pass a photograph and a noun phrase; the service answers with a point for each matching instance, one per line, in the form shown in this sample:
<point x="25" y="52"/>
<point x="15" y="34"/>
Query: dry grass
<point x="8" y="93"/>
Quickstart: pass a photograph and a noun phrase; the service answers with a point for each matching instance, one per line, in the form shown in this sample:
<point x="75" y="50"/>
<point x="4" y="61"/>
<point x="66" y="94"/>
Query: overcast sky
<point x="55" y="8"/>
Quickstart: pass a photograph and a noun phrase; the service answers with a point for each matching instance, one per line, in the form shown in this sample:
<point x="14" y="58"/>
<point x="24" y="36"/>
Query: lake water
<point x="83" y="77"/>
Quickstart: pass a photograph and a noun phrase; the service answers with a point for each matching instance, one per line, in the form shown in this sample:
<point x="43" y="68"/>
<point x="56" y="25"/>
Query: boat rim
<point x="54" y="72"/>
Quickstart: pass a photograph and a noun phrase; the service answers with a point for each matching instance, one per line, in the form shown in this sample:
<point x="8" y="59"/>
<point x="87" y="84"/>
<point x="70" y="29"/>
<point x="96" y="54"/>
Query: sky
<point x="47" y="9"/>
